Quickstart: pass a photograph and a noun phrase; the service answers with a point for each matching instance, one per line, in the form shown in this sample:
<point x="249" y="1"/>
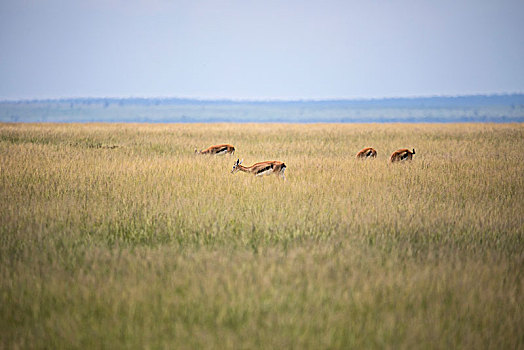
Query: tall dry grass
<point x="147" y="245"/>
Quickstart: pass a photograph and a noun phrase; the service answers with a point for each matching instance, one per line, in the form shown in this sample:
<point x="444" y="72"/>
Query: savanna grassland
<point x="119" y="236"/>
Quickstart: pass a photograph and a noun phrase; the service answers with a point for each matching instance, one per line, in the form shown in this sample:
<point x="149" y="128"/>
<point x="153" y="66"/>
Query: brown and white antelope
<point x="262" y="168"/>
<point x="402" y="154"/>
<point x="218" y="149"/>
<point x="368" y="152"/>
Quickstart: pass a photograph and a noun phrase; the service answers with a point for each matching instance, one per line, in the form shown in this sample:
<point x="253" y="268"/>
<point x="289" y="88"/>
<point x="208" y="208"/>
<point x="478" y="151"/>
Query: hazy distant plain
<point x="495" y="108"/>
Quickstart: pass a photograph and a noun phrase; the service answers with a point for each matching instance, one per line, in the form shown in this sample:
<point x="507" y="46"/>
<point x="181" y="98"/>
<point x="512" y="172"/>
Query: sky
<point x="260" y="49"/>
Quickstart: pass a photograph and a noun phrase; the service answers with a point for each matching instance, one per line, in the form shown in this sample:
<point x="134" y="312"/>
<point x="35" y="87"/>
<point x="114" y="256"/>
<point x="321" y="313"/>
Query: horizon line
<point x="255" y="100"/>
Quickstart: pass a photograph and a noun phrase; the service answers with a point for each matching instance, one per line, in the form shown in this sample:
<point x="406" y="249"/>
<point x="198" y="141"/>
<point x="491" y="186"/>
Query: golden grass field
<point x="147" y="245"/>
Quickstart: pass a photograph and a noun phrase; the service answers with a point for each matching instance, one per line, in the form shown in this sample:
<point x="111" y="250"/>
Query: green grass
<point x="147" y="245"/>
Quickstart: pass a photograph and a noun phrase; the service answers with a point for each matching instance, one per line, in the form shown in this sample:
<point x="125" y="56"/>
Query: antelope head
<point x="235" y="166"/>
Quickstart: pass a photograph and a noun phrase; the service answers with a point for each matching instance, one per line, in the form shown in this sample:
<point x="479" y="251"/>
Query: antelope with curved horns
<point x="402" y="154"/>
<point x="368" y="152"/>
<point x="262" y="168"/>
<point x="218" y="149"/>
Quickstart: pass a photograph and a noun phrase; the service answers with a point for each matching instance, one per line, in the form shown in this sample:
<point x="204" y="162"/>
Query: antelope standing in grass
<point x="262" y="168"/>
<point x="402" y="154"/>
<point x="368" y="152"/>
<point x="218" y="149"/>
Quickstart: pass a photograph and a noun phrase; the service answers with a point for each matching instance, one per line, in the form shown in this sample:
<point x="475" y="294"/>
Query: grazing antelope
<point x="218" y="149"/>
<point x="262" y="168"/>
<point x="402" y="154"/>
<point x="368" y="152"/>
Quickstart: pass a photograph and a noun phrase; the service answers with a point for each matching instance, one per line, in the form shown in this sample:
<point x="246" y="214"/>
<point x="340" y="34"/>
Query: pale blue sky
<point x="260" y="49"/>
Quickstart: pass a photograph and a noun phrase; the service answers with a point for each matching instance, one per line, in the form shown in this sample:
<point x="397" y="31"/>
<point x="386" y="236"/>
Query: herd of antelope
<point x="278" y="168"/>
<point x="397" y="156"/>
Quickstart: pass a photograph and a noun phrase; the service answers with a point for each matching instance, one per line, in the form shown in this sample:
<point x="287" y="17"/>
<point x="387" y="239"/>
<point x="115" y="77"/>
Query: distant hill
<point x="475" y="108"/>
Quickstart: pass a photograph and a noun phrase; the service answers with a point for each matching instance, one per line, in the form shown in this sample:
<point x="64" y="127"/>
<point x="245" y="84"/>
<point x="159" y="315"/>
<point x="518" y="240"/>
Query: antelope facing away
<point x="402" y="154"/>
<point x="262" y="168"/>
<point x="366" y="153"/>
<point x="218" y="149"/>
